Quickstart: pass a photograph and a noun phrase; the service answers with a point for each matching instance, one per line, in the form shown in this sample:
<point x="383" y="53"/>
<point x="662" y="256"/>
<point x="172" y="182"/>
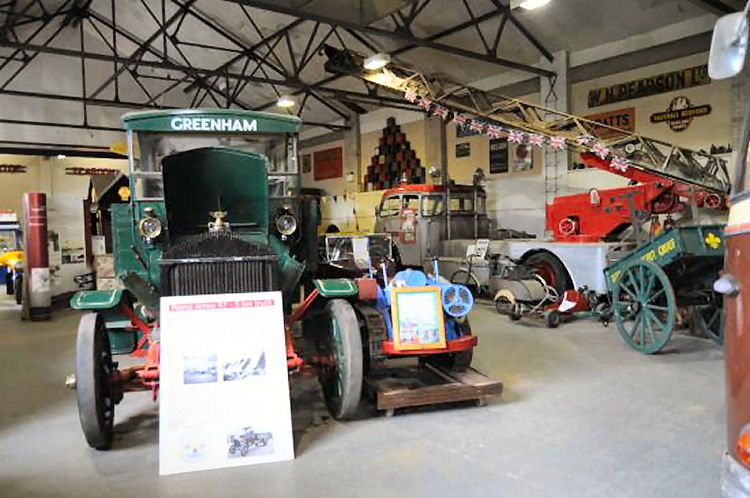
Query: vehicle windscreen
<point x="152" y="147"/>
<point x="433" y="205"/>
<point x="461" y="204"/>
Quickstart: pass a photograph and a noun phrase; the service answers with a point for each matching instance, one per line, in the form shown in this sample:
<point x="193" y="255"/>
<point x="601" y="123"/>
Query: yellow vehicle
<point x="11" y="257"/>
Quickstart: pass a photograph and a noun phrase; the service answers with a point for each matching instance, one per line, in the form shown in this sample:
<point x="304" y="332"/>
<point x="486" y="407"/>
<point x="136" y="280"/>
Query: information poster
<point x="498" y="156"/>
<point x="223" y="385"/>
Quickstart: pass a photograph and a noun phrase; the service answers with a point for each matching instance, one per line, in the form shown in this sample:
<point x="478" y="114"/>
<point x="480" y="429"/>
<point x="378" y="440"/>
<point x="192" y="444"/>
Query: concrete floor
<point x="582" y="415"/>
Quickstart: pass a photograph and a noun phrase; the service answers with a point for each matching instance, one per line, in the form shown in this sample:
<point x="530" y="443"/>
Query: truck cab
<point x="421" y="217"/>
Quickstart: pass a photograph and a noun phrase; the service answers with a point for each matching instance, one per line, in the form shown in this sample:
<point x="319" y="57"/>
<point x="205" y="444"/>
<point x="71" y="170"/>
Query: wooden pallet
<point x="428" y="385"/>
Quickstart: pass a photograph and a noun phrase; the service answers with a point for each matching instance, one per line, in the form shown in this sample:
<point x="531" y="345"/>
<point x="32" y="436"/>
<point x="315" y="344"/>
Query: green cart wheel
<point x="643" y="304"/>
<point x="341" y="375"/>
<point x="96" y="405"/>
<point x="708" y="321"/>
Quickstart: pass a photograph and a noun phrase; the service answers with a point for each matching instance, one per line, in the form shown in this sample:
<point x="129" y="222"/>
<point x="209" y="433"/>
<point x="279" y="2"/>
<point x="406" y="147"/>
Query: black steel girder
<point x="399" y="35"/>
<point x="716" y="6"/>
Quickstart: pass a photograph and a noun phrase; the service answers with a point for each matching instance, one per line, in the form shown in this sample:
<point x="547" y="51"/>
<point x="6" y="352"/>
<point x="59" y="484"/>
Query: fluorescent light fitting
<point x="286" y="101"/>
<point x="377" y="61"/>
<point x="61" y="156"/>
<point x="528" y="4"/>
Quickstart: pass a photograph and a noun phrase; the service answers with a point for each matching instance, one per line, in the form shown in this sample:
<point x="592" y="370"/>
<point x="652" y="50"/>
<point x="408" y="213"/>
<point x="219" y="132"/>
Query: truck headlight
<point x="286" y="224"/>
<point x="149" y="226"/>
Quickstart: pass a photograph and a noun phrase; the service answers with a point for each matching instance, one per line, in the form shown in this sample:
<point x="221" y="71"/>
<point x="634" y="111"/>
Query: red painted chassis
<point x="145" y="377"/>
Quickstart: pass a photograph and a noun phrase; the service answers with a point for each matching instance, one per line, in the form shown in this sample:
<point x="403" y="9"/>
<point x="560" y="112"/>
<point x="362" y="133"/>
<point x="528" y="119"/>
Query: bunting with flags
<point x="496" y="131"/>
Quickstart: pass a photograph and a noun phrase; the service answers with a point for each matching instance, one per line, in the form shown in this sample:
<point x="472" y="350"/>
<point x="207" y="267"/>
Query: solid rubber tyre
<point x="342" y="382"/>
<point x="551" y="269"/>
<point x="467" y="279"/>
<point x="457" y="362"/>
<point x="552" y="319"/>
<point x="96" y="409"/>
<point x="18" y="289"/>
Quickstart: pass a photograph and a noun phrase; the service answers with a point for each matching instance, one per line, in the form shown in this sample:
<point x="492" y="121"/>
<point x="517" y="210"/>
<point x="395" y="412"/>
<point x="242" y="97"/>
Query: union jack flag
<point x="425" y="103"/>
<point x="476" y="125"/>
<point x="600" y="150"/>
<point x="536" y="140"/>
<point x="619" y="163"/>
<point x="440" y="111"/>
<point x="494" y="131"/>
<point x="557" y="142"/>
<point x="515" y="137"/>
<point x="584" y="139"/>
<point x="460" y="120"/>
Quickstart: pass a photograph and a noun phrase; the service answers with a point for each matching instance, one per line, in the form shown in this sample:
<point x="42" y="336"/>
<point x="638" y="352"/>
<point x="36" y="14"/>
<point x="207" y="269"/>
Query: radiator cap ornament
<point x="218" y="226"/>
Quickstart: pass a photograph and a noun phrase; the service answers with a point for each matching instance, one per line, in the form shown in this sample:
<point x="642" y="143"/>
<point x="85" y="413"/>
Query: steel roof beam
<point x="398" y="36"/>
<point x="715" y="6"/>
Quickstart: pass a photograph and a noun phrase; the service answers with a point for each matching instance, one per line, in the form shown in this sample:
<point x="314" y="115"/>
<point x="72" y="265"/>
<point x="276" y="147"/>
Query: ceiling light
<point x="286" y="101"/>
<point x="61" y="156"/>
<point x="377" y="61"/>
<point x="528" y="4"/>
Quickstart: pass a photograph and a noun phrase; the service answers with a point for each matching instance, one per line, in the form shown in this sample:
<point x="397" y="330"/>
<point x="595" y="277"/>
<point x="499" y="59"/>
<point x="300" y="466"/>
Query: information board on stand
<point x="223" y="382"/>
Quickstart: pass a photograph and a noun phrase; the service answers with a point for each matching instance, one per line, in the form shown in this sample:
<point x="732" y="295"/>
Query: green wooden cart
<point x="667" y="281"/>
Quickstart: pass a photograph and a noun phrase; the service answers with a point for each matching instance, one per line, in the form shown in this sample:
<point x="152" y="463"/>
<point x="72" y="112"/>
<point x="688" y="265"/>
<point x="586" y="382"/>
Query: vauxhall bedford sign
<point x="212" y="124"/>
<point x="654" y="85"/>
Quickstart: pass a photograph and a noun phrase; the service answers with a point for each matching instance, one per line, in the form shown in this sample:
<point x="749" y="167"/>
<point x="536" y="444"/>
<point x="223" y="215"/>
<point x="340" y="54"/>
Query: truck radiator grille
<point x="221" y="277"/>
<point x="210" y="264"/>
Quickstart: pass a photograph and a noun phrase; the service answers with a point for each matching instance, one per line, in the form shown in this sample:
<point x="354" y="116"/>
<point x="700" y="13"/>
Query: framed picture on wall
<point x="523" y="158"/>
<point x="463" y="149"/>
<point x="417" y="315"/>
<point x="328" y="163"/>
<point x="306" y="163"/>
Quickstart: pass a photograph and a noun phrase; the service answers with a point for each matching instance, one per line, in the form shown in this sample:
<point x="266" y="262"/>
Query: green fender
<point x="96" y="299"/>
<point x="336" y="287"/>
<point x="123" y="338"/>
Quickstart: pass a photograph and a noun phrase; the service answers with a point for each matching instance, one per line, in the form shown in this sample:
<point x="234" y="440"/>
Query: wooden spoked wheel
<point x="643" y="304"/>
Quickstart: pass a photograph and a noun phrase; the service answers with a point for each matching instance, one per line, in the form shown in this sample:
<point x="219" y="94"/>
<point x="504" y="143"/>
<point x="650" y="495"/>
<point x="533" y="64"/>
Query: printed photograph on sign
<point x="240" y="368"/>
<point x="245" y="442"/>
<point x="200" y="369"/>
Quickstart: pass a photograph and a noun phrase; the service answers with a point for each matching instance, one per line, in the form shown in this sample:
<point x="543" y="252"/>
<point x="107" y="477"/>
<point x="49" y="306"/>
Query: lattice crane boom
<point x="654" y="157"/>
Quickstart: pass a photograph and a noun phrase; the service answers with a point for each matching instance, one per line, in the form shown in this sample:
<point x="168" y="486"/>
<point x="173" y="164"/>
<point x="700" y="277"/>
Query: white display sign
<point x="223" y="382"/>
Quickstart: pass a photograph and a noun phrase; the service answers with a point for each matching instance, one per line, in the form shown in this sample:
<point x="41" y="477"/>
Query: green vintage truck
<point x="215" y="208"/>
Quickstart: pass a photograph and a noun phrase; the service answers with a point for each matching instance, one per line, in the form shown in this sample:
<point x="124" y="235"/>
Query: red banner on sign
<point x="328" y="163"/>
<point x="220" y="305"/>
